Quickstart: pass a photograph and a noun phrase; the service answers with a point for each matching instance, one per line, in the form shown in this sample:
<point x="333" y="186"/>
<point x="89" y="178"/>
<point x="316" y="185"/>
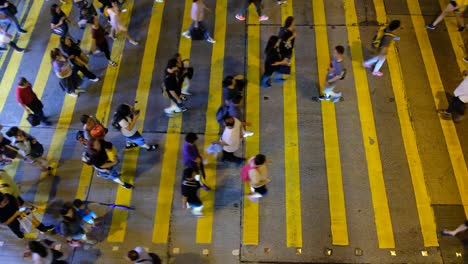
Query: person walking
<point x="173" y="89"/>
<point x="7" y="151"/>
<point x="99" y="38"/>
<point x="30" y="148"/>
<point x="117" y="25"/>
<point x="59" y="21"/>
<point x="10" y="215"/>
<point x="257" y="176"/>
<point x="9" y="186"/>
<point x="234" y="108"/>
<point x="103" y="157"/>
<point x="185" y="74"/>
<point x="457" y="7"/>
<point x="7" y="39"/>
<point x="273" y="60"/>
<point x="232" y="87"/>
<point x="69" y="79"/>
<point x="456" y="107"/>
<point x="385" y="42"/>
<point x="71" y="226"/>
<point x="42" y="252"/>
<point x="77" y="57"/>
<point x="336" y="73"/>
<point x="125" y="119"/>
<point x="192" y="157"/>
<point x="231" y="139"/>
<point x="28" y="100"/>
<point x="9" y="10"/>
<point x="189" y="189"/>
<point x="245" y="6"/>
<point x="287" y="35"/>
<point x="140" y="255"/>
<point x="92" y="128"/>
<point x="198" y="14"/>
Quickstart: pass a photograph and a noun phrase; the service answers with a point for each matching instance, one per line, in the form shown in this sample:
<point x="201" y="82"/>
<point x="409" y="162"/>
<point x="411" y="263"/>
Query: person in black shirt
<point x="72" y="225"/>
<point x="6" y="10"/>
<point x="173" y="87"/>
<point x="272" y="61"/>
<point x="287" y="35"/>
<point x="232" y="87"/>
<point x="189" y="188"/>
<point x="76" y="56"/>
<point x="10" y="215"/>
<point x="59" y="20"/>
<point x="103" y="158"/>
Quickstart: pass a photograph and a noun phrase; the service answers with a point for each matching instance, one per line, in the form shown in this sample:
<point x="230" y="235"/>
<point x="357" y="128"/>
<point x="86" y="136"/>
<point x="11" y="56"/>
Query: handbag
<point x="36" y="149"/>
<point x="33" y="120"/>
<point x="62" y="30"/>
<point x="28" y="222"/>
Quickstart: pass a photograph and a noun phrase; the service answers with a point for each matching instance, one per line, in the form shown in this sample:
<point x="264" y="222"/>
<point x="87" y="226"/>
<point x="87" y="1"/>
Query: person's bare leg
<point x="447" y="10"/>
<point x="459" y="229"/>
<point x="132" y="41"/>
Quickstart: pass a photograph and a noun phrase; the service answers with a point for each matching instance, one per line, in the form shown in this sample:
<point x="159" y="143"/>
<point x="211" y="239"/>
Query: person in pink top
<point x="198" y="14"/>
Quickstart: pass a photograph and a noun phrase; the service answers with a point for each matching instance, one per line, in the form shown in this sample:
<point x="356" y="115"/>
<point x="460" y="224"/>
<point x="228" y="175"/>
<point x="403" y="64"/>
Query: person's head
<point x="65" y="41"/>
<point x="16" y="133"/>
<point x="272" y="43"/>
<point x="37" y="247"/>
<point x="188" y="174"/>
<point x="84" y="119"/>
<point x="88" y="121"/>
<point x="78" y="204"/>
<point x="178" y="57"/>
<point x="54" y="9"/>
<point x="237" y="99"/>
<point x="259" y="159"/>
<point x="172" y="65"/>
<point x="55" y="54"/>
<point x="124" y="110"/>
<point x="228" y="81"/>
<point x="133" y="255"/>
<point x="191" y="137"/>
<point x="67" y="211"/>
<point x="96" y="22"/>
<point x="23" y="82"/>
<point x="289" y="22"/>
<point x="338" y="51"/>
<point x="81" y="138"/>
<point x="229" y="122"/>
<point x="394" y="25"/>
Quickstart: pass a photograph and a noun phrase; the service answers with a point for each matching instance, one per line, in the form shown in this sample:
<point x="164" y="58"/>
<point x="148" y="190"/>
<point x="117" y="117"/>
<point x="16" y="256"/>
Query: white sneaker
<point x="73" y="94"/>
<point x="159" y="1"/>
<point x="255" y="195"/>
<point x="95" y="79"/>
<point x="186" y="34"/>
<point x="123" y="10"/>
<point x="210" y="40"/>
<point x="248" y="134"/>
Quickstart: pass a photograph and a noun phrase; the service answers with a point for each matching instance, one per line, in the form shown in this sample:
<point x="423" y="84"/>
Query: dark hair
<point x="37" y="247"/>
<point x="52" y="9"/>
<point x="65" y="207"/>
<point x="237" y="99"/>
<point x="54" y="53"/>
<point x="22" y="81"/>
<point x="259" y="159"/>
<point x="133" y="255"/>
<point x="77" y="203"/>
<point x="191" y="137"/>
<point x="187" y="173"/>
<point x="12" y="132"/>
<point x="227" y="80"/>
<point x="271" y="43"/>
<point x="122" y="112"/>
<point x="2" y="196"/>
<point x="288" y="22"/>
<point x="84" y="119"/>
<point x="79" y="134"/>
<point x="394" y="24"/>
<point x="227" y="121"/>
<point x="339" y="49"/>
<point x="62" y="41"/>
<point x="177" y="55"/>
<point x="172" y="63"/>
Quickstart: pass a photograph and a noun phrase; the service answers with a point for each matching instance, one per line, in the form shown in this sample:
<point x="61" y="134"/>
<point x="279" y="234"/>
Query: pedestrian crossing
<point x="141" y="84"/>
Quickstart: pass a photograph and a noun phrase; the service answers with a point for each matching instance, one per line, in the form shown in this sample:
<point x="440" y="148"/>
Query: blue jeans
<point x="201" y="26"/>
<point x="137" y="138"/>
<point x="108" y="174"/>
<point x="10" y="18"/>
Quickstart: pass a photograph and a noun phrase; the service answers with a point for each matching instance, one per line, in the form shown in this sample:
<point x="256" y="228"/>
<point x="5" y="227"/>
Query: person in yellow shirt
<point x="457" y="7"/>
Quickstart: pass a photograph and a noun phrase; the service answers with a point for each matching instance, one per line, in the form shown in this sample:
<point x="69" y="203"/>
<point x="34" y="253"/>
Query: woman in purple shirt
<point x="192" y="157"/>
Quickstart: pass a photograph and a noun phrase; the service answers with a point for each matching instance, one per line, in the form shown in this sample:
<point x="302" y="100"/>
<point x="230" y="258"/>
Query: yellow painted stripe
<point x="171" y="153"/>
<point x="9" y="76"/>
<point x="130" y="160"/>
<point x="448" y="128"/>
<point x="371" y="144"/>
<point x="292" y="176"/>
<point x="423" y="201"/>
<point x="456" y="37"/>
<point x="252" y="109"/>
<point x="205" y="224"/>
<point x="339" y="227"/>
<point x="20" y="18"/>
<point x="105" y="100"/>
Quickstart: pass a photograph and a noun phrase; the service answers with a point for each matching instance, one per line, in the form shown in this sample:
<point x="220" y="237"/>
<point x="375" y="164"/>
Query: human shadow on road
<point x="188" y="258"/>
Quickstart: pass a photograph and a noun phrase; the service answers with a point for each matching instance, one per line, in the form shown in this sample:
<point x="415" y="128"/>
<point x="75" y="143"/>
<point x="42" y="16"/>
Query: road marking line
<point x="369" y="134"/>
<point x="252" y="110"/>
<point x="423" y="201"/>
<point x="171" y="153"/>
<point x="292" y="176"/>
<point x="339" y="227"/>
<point x="130" y="159"/>
<point x="448" y="127"/>
<point x="205" y="224"/>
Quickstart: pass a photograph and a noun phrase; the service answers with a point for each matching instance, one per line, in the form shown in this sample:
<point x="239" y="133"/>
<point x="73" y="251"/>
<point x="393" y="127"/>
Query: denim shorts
<point x="137" y="138"/>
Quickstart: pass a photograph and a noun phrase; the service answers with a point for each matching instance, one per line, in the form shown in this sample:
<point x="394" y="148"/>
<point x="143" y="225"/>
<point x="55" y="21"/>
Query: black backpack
<point x="155" y="259"/>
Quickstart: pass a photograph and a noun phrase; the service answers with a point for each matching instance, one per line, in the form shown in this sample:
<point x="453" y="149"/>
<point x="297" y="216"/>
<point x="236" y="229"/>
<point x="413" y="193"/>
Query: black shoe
<point x="21" y="237"/>
<point x="152" y="147"/>
<point x="22" y="31"/>
<point x="47" y="229"/>
<point x="3" y="49"/>
<point x="19" y="50"/>
<point x="465" y="59"/>
<point x="430" y="26"/>
<point x="460" y="29"/>
<point x="131" y="145"/>
<point x="127" y="186"/>
<point x="47" y="123"/>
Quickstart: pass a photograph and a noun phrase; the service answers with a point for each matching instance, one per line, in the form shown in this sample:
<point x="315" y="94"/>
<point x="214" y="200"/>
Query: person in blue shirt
<point x="335" y="73"/>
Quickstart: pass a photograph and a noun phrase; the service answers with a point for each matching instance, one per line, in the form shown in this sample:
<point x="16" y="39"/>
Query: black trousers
<point x="84" y="70"/>
<point x="229" y="156"/>
<point x="15" y="228"/>
<point x="245" y="6"/>
<point x="36" y="106"/>
<point x="261" y="190"/>
<point x="104" y="47"/>
<point x="457" y="106"/>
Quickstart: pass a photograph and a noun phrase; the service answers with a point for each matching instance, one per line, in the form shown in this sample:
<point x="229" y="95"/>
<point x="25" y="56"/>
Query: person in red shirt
<point x="29" y="101"/>
<point x="99" y="37"/>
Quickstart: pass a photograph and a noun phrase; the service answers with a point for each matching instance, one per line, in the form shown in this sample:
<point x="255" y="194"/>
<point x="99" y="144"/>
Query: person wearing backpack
<point x="30" y="148"/>
<point x="92" y="128"/>
<point x="140" y="255"/>
<point x="125" y="119"/>
<point x="382" y="41"/>
<point x="336" y="72"/>
<point x="255" y="172"/>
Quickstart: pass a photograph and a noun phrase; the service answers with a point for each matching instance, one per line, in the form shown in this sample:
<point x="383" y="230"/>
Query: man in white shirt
<point x="140" y="255"/>
<point x="231" y="139"/>
<point x="457" y="105"/>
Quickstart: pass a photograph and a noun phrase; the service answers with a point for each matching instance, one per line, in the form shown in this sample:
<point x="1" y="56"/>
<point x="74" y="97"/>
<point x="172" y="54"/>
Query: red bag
<point x="98" y="131"/>
<point x="245" y="170"/>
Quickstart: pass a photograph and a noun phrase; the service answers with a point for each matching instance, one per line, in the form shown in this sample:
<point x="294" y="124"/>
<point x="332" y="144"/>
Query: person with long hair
<point x="273" y="60"/>
<point x="117" y="25"/>
<point x="59" y="21"/>
<point x="287" y="35"/>
<point x="69" y="79"/>
<point x="42" y="252"/>
<point x="125" y="119"/>
<point x="77" y="57"/>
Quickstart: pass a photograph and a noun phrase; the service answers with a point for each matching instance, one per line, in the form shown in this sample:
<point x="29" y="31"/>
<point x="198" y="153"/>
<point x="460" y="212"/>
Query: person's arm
<point x="334" y="79"/>
<point x="184" y="202"/>
<point x="132" y="123"/>
<point x="71" y="21"/>
<point x="12" y="218"/>
<point x="109" y="164"/>
<point x="285" y="61"/>
<point x="174" y="94"/>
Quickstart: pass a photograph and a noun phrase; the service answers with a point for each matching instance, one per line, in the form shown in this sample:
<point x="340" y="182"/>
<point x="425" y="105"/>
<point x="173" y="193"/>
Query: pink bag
<point x="245" y="170"/>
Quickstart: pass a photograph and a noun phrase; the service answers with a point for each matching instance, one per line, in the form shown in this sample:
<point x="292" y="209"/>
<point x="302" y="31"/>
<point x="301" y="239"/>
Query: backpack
<point x="115" y="122"/>
<point x="155" y="259"/>
<point x="377" y="39"/>
<point x="245" y="171"/>
<point x="36" y="149"/>
<point x="221" y="113"/>
<point x="98" y="131"/>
